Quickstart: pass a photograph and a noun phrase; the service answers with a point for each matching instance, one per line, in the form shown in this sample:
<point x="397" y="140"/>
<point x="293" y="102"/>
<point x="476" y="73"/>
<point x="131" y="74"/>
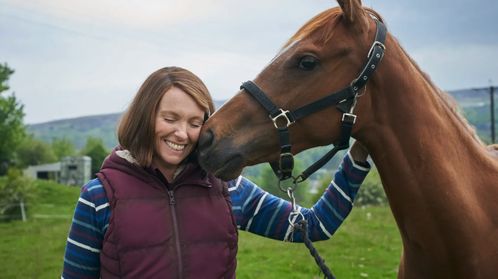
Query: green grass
<point x="366" y="246"/>
<point x="35" y="249"/>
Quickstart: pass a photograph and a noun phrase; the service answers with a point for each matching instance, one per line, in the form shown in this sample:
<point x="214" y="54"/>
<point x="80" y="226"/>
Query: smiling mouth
<point x="175" y="146"/>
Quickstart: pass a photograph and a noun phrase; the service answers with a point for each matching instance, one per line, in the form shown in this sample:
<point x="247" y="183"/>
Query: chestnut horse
<point x="440" y="180"/>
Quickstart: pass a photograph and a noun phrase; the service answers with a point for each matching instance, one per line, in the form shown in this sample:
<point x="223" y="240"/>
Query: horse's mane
<point x="326" y="22"/>
<point x="446" y="98"/>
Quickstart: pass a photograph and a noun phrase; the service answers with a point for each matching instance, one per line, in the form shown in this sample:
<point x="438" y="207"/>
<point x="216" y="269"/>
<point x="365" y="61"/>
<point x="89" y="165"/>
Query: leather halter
<point x="344" y="100"/>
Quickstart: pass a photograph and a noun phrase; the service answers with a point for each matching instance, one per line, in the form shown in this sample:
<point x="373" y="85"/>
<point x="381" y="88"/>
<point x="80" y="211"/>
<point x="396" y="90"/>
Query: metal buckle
<point x="376" y="43"/>
<point x="289" y="168"/>
<point x="283" y="113"/>
<point x="349" y="117"/>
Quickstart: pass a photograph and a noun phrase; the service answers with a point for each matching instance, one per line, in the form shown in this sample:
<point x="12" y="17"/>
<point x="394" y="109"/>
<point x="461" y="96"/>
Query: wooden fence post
<point x="23" y="212"/>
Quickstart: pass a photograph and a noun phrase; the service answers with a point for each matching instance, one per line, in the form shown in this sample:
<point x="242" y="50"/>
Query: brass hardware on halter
<point x="286" y="121"/>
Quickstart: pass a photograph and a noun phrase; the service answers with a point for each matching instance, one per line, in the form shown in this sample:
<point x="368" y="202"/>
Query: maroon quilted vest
<point x="183" y="229"/>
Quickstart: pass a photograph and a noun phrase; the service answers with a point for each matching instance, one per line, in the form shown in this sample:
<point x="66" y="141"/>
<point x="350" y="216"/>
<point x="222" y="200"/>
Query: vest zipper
<point x="172" y="203"/>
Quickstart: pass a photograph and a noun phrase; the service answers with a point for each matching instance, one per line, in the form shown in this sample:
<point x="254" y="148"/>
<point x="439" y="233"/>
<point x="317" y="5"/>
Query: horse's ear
<point x="354" y="14"/>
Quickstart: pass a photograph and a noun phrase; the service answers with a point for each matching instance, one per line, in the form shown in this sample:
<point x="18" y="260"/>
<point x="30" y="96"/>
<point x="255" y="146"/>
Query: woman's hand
<point x="359" y="152"/>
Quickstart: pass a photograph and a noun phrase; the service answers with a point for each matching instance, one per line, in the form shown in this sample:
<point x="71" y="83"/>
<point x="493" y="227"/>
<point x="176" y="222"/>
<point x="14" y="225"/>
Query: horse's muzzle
<point x="219" y="157"/>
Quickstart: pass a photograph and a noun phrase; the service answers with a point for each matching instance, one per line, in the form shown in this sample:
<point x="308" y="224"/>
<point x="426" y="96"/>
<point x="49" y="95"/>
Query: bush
<point x="14" y="189"/>
<point x="371" y="191"/>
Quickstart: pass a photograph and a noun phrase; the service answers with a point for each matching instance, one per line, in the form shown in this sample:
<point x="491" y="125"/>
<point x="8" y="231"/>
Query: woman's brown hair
<point x="137" y="125"/>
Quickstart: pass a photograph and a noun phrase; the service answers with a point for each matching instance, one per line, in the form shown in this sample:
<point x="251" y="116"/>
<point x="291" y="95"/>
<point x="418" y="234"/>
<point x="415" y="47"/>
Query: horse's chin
<point x="228" y="175"/>
<point x="227" y="169"/>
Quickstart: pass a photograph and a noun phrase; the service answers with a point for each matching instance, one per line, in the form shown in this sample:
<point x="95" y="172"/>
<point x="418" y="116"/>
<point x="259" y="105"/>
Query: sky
<point x="87" y="57"/>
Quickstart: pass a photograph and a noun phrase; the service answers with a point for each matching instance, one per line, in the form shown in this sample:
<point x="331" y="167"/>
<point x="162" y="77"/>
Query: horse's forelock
<point x="323" y="22"/>
<point x="320" y="21"/>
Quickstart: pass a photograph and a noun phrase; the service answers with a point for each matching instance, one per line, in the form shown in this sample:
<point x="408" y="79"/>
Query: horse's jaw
<point x="225" y="168"/>
<point x="218" y="158"/>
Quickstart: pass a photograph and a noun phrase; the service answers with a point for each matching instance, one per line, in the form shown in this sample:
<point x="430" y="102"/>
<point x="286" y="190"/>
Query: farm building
<point x="75" y="170"/>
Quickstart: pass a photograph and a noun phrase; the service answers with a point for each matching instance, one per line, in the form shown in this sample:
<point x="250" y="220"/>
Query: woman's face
<point x="178" y="123"/>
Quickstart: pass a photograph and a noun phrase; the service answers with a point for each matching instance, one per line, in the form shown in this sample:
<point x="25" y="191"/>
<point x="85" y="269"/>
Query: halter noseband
<point x="344" y="100"/>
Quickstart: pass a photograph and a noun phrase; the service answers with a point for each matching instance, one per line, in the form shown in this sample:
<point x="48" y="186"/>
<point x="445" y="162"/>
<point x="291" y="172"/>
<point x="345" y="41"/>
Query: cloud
<point x="140" y="14"/>
<point x="79" y="57"/>
<point x="459" y="67"/>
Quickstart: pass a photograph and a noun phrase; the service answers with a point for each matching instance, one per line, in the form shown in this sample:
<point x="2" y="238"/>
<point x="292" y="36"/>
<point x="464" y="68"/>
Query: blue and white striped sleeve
<point x="84" y="242"/>
<point x="262" y="213"/>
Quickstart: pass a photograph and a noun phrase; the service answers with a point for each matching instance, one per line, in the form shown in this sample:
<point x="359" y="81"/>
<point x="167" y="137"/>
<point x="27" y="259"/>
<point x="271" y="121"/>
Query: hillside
<point x="78" y="129"/>
<point x="474" y="103"/>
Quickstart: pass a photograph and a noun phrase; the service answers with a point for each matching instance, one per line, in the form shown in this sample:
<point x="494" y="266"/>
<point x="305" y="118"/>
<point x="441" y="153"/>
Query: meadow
<point x="366" y="246"/>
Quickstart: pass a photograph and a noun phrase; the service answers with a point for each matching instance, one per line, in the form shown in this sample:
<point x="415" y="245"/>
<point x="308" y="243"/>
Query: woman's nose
<point x="181" y="131"/>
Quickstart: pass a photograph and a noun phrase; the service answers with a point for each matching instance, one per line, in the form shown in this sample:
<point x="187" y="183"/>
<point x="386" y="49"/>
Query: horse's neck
<point x="431" y="166"/>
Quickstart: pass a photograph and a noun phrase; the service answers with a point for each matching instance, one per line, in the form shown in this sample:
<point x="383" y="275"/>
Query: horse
<point x="441" y="181"/>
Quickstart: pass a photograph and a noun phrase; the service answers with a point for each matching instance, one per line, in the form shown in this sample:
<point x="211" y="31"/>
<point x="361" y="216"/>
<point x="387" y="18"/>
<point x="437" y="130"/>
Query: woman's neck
<point x="168" y="171"/>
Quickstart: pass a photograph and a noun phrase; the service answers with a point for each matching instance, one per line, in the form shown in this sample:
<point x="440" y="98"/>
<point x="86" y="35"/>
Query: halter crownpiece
<point x="344" y="100"/>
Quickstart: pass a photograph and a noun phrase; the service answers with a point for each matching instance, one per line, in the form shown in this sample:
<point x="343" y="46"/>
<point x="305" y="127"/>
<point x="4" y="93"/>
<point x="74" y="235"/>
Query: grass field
<point x="366" y="246"/>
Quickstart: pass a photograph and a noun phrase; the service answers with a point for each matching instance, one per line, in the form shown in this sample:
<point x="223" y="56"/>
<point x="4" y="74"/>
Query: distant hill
<point x="474" y="103"/>
<point x="78" y="129"/>
<point x="475" y="106"/>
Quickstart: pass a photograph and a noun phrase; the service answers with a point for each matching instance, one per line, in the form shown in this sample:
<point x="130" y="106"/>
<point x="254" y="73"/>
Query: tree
<point x="94" y="148"/>
<point x="32" y="152"/>
<point x="12" y="129"/>
<point x="5" y="73"/>
<point x="63" y="147"/>
<point x="14" y="189"/>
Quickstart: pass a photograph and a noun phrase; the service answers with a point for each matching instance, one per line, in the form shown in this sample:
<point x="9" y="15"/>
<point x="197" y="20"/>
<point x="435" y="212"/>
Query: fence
<point x="17" y="211"/>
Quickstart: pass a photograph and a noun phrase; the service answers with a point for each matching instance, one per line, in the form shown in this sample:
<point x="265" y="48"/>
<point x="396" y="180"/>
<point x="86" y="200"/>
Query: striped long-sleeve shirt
<point x="255" y="210"/>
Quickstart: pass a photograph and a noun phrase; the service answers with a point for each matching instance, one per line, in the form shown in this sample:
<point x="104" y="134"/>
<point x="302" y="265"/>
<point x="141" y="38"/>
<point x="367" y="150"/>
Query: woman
<point x="154" y="213"/>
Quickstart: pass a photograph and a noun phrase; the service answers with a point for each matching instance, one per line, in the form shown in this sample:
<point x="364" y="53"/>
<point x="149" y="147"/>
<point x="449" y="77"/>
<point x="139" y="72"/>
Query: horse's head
<point x="324" y="56"/>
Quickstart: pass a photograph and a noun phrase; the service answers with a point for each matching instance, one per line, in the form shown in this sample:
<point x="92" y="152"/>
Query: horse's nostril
<point x="206" y="140"/>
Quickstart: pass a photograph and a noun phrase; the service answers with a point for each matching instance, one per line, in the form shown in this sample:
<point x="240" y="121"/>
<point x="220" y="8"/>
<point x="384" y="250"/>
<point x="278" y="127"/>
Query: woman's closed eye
<point x="196" y="124"/>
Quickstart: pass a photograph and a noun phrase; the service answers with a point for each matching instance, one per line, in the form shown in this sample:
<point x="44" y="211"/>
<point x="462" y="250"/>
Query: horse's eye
<point x="308" y="63"/>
